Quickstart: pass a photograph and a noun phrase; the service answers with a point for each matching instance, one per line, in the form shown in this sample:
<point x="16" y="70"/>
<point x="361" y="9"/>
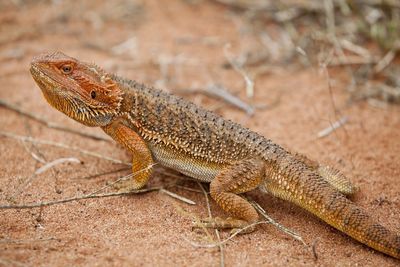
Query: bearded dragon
<point x="156" y="126"/>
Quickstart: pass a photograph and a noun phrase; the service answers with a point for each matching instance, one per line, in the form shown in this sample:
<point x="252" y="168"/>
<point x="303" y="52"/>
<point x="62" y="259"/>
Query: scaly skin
<point x="158" y="127"/>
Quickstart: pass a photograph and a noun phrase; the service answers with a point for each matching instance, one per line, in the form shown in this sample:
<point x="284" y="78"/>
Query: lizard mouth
<point x="50" y="88"/>
<point x="44" y="81"/>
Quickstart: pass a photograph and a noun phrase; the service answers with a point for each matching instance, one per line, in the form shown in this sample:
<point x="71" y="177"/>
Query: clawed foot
<point x="236" y="225"/>
<point x="126" y="186"/>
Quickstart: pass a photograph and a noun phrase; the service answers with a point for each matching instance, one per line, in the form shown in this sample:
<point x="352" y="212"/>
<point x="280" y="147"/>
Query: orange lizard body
<point x="158" y="127"/>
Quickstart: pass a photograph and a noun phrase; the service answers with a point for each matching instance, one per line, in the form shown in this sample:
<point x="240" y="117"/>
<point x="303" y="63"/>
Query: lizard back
<point x="169" y="120"/>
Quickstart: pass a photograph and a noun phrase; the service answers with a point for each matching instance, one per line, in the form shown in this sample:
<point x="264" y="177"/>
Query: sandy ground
<point x="175" y="46"/>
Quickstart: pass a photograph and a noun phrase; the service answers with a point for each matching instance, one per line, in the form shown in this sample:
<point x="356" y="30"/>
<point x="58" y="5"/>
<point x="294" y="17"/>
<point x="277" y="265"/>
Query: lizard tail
<point x="295" y="182"/>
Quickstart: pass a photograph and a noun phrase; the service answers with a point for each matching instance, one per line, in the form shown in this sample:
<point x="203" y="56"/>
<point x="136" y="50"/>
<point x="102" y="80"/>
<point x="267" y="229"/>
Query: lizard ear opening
<point x="93" y="94"/>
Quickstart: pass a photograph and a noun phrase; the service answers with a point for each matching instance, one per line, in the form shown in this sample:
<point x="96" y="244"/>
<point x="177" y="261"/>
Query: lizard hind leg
<point x="239" y="178"/>
<point x="333" y="176"/>
<point x="337" y="179"/>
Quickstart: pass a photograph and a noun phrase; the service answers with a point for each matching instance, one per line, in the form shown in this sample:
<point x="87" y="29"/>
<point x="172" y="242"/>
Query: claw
<point x="126" y="186"/>
<point x="220" y="223"/>
<point x="241" y="231"/>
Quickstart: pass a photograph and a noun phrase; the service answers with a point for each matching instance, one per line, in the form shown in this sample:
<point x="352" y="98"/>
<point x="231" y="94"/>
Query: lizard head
<point x="82" y="91"/>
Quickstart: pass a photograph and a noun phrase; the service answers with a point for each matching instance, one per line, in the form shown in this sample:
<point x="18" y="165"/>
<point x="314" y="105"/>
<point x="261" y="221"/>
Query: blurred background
<point x="191" y="44"/>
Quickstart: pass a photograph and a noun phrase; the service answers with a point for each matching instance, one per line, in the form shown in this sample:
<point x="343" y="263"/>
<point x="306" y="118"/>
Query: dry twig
<point x="181" y="198"/>
<point x="250" y="226"/>
<point x="42" y="169"/>
<point x="66" y="200"/>
<point x="220" y="92"/>
<point x="34" y="155"/>
<point x="385" y="61"/>
<point x="105" y="173"/>
<point x="48" y="124"/>
<point x="337" y="124"/>
<point x="51" y="143"/>
<point x="221" y="246"/>
<point x="249" y="81"/>
<point x="54" y="163"/>
<point x="274" y="223"/>
<point x="123" y="178"/>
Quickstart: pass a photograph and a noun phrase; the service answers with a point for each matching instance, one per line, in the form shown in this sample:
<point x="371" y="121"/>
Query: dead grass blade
<point x="249" y="81"/>
<point x="48" y="124"/>
<point x="181" y="198"/>
<point x="218" y="91"/>
<point x="61" y="145"/>
<point x="77" y="198"/>
<point x="54" y="163"/>
<point x="221" y="246"/>
<point x="274" y="223"/>
<point x="337" y="124"/>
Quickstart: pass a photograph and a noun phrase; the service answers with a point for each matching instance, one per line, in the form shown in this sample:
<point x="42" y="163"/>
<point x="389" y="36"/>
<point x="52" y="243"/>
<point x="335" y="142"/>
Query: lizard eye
<point x="93" y="94"/>
<point x="67" y="69"/>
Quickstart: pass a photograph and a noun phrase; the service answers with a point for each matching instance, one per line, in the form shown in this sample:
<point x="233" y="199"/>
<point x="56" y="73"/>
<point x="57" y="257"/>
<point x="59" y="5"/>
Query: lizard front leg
<point x="141" y="155"/>
<point x="235" y="179"/>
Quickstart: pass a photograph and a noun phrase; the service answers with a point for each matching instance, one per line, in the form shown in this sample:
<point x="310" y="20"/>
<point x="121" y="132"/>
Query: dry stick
<point x="93" y="195"/>
<point x="32" y="148"/>
<point x="199" y="224"/>
<point x="104" y="173"/>
<point x="239" y="69"/>
<point x="332" y="127"/>
<point x="194" y="218"/>
<point x="351" y="60"/>
<point x="61" y="201"/>
<point x="49" y="124"/>
<point x="335" y="110"/>
<point x="363" y="56"/>
<point x="385" y="61"/>
<point x="162" y="190"/>
<point x="123" y="178"/>
<point x="34" y="155"/>
<point x="304" y="55"/>
<point x="181" y="198"/>
<point x="54" y="163"/>
<point x="361" y="51"/>
<point x="51" y="143"/>
<point x="274" y="223"/>
<point x="220" y="92"/>
<point x="221" y="247"/>
<point x="330" y="21"/>
<point x="225" y="240"/>
<point x="33" y="140"/>
<point x="41" y="170"/>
